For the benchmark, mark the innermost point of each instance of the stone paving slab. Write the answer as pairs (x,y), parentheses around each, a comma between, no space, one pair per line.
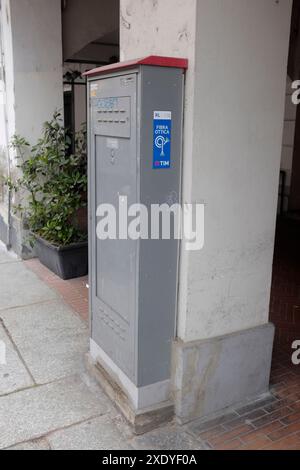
(13,374)
(171,437)
(19,286)
(6,257)
(30,414)
(39,444)
(51,339)
(98,434)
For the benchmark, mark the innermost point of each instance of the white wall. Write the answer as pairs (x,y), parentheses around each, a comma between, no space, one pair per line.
(7,99)
(33,70)
(241,66)
(162,28)
(3,143)
(37,53)
(234,114)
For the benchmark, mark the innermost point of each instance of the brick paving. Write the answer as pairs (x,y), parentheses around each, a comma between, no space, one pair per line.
(273,422)
(285,294)
(270,423)
(74,291)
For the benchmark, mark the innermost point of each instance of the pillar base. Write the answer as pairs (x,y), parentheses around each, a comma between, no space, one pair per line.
(145,408)
(214,374)
(17,240)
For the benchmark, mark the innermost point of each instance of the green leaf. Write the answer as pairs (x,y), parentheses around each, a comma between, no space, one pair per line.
(52,185)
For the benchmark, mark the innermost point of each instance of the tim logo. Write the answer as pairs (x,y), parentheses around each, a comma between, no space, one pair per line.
(2,353)
(160,143)
(296,354)
(162,134)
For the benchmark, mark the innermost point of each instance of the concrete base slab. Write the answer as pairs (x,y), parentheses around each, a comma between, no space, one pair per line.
(214,374)
(51,339)
(97,434)
(33,413)
(139,397)
(141,421)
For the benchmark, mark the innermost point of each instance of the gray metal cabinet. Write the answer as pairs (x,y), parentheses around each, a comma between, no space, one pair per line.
(134,282)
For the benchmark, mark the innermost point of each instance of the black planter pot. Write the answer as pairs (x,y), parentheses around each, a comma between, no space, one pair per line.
(67,262)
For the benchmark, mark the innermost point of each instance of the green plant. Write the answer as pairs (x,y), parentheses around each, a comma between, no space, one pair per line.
(52,183)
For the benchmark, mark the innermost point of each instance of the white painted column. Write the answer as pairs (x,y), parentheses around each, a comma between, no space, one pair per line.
(241,58)
(234,112)
(32,44)
(37,57)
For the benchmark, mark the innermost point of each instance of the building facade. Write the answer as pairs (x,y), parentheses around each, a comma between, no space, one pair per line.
(234,111)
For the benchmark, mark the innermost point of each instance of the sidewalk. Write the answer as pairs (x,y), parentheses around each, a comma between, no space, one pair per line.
(47,400)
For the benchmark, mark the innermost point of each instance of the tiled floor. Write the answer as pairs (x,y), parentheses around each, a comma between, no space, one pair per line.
(274,421)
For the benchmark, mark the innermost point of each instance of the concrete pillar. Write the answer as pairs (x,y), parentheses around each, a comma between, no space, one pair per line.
(234,109)
(32,46)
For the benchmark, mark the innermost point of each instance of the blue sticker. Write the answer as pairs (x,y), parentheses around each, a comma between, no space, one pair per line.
(162,136)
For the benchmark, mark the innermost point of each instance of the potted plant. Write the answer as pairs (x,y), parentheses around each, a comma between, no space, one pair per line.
(51,197)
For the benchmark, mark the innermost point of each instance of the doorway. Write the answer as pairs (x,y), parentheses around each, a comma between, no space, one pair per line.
(285,292)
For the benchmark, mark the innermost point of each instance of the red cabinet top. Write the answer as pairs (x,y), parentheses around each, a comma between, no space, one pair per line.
(159,61)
